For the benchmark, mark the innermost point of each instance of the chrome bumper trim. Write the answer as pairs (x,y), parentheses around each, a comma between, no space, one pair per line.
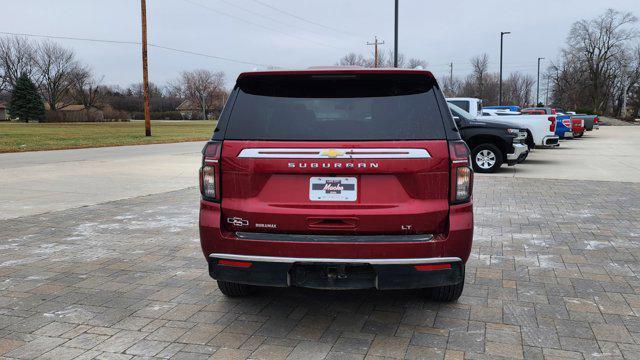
(291,260)
(518,149)
(555,139)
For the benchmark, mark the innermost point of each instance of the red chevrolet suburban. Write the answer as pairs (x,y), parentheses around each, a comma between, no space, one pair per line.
(337,178)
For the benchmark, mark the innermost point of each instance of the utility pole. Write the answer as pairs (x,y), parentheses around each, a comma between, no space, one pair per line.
(502,34)
(538,83)
(375,44)
(145,70)
(204,107)
(395,39)
(451,72)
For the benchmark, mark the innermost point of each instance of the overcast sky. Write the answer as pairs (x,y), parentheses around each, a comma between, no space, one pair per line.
(436,31)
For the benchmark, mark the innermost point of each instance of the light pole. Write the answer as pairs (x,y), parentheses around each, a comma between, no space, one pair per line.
(502,34)
(538,83)
(395,40)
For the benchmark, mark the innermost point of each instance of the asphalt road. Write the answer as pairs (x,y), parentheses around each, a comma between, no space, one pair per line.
(39,182)
(608,154)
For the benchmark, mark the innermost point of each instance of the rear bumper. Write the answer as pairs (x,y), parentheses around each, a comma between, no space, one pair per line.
(551,140)
(386,264)
(337,273)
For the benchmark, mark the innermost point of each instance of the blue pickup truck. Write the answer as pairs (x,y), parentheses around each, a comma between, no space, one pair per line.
(563,126)
(503,107)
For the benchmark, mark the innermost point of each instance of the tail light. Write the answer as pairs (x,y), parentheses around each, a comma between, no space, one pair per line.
(210,171)
(552,125)
(567,123)
(595,120)
(461,172)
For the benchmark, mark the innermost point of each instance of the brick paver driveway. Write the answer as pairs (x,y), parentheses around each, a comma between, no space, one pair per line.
(553,275)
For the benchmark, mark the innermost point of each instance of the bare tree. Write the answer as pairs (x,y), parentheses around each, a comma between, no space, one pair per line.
(517,88)
(385,59)
(203,88)
(86,89)
(351,59)
(17,57)
(598,44)
(56,65)
(415,63)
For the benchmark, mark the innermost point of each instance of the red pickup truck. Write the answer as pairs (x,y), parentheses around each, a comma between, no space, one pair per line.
(337,178)
(577,127)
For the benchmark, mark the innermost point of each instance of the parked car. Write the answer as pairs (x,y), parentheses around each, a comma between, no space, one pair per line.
(577,127)
(491,143)
(471,105)
(540,110)
(591,122)
(503,107)
(533,112)
(337,178)
(540,128)
(563,126)
(496,112)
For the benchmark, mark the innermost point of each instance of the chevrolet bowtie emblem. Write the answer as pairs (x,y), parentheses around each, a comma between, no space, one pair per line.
(332,153)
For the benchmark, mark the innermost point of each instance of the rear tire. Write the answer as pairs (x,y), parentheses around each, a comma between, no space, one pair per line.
(486,158)
(447,293)
(231,289)
(578,135)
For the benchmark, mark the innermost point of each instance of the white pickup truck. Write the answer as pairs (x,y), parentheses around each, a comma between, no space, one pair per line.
(541,128)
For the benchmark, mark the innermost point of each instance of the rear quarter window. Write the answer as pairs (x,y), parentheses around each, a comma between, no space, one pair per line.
(336,107)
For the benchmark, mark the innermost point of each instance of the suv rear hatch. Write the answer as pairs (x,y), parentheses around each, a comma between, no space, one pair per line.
(358,154)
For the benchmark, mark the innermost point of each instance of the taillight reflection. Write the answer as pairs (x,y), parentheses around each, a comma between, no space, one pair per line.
(210,171)
(208,182)
(461,172)
(463,183)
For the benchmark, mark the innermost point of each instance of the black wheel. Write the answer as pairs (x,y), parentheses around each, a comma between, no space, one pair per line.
(486,158)
(447,293)
(579,135)
(234,289)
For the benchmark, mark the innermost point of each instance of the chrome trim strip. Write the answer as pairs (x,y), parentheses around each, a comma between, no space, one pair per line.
(290,260)
(317,153)
(460,161)
(244,235)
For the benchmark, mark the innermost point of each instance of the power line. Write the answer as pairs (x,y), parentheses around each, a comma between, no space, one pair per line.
(260,25)
(267,17)
(107,41)
(301,18)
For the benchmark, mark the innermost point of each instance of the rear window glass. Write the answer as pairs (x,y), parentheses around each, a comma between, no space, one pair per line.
(336,107)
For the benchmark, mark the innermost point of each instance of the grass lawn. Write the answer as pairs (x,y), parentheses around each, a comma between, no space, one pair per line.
(15,137)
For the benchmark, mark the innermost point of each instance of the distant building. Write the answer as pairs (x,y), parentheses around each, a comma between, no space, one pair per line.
(72,113)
